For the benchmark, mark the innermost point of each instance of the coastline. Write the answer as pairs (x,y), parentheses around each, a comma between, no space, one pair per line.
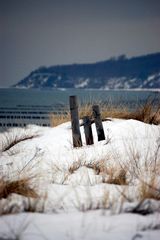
(88,89)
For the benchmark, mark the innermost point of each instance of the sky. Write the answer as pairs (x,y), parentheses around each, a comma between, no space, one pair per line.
(36,33)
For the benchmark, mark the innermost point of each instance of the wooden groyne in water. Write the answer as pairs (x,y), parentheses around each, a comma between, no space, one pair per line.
(23,115)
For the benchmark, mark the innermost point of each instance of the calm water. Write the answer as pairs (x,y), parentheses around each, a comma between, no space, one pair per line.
(13,98)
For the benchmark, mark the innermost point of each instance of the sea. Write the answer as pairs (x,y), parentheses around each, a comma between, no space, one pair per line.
(13,97)
(20,107)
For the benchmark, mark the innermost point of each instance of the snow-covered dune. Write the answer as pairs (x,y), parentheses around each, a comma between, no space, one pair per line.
(86,193)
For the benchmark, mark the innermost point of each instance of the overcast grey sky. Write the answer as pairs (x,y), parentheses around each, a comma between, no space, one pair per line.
(35,33)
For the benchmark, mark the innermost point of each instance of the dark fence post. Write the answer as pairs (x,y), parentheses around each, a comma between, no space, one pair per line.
(77,141)
(98,122)
(88,130)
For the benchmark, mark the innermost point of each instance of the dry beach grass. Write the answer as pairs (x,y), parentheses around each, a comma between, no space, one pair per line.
(147,113)
(20,186)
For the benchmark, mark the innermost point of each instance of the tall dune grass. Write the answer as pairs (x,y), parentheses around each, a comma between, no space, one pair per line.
(147,113)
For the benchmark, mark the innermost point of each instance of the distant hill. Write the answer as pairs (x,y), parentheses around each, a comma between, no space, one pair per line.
(115,73)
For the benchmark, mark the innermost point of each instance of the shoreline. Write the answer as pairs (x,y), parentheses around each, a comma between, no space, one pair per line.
(88,89)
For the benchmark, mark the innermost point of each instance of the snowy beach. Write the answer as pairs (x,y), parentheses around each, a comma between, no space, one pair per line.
(109,190)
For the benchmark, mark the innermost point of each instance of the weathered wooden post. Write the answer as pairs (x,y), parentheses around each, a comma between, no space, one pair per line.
(88,130)
(77,141)
(98,122)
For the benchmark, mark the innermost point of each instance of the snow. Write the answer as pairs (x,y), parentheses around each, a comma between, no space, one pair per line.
(82,83)
(152,77)
(82,226)
(78,202)
(116,83)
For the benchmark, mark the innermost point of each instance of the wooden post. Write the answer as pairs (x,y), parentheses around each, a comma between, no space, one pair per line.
(88,130)
(77,141)
(98,122)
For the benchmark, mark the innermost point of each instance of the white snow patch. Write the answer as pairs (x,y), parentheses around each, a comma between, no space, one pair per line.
(82,83)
